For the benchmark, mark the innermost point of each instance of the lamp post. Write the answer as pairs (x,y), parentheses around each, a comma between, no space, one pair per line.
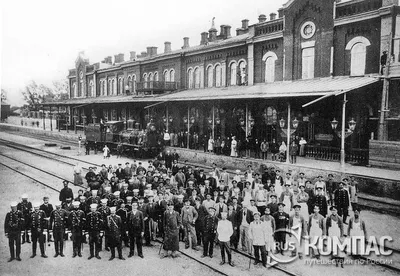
(343,134)
(75,122)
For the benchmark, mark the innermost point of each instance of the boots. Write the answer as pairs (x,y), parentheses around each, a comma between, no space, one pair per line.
(56,246)
(112,254)
(61,248)
(120,254)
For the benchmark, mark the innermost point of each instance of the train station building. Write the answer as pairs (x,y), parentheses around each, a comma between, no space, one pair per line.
(315,69)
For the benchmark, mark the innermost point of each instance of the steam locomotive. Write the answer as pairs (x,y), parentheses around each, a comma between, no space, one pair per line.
(135,142)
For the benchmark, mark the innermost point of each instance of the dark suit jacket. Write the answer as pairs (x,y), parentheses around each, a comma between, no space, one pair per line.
(249,217)
(135,223)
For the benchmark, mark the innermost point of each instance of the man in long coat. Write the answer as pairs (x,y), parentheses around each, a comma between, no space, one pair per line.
(172,224)
(114,228)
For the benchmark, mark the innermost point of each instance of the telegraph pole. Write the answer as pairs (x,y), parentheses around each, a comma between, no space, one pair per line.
(382,129)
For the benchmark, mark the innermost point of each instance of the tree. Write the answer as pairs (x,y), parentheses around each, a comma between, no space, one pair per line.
(61,90)
(33,96)
(3,95)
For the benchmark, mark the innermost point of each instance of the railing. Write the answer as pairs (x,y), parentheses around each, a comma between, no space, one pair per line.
(357,156)
(358,7)
(156,86)
(270,28)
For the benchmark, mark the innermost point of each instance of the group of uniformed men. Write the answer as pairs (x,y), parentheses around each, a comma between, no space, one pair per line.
(127,204)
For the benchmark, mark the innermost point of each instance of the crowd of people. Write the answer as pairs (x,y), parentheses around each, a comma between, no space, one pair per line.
(135,204)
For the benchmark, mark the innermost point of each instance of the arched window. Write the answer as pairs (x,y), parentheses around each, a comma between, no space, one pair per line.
(129,80)
(109,87)
(190,78)
(197,78)
(233,73)
(242,72)
(156,76)
(166,76)
(218,75)
(210,74)
(114,88)
(358,51)
(91,89)
(145,79)
(74,94)
(172,75)
(269,58)
(121,86)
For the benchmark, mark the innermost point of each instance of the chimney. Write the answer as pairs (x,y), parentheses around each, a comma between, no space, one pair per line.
(143,54)
(108,60)
(222,32)
(272,16)
(245,24)
(151,51)
(119,58)
(204,39)
(280,13)
(185,43)
(227,31)
(133,55)
(167,47)
(262,18)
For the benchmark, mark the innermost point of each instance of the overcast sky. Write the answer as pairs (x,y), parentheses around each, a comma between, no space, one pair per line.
(40,39)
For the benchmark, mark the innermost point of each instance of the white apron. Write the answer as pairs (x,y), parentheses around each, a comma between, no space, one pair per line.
(269,243)
(287,202)
(356,231)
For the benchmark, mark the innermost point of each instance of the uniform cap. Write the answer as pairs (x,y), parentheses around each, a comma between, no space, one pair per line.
(148,185)
(129,198)
(150,194)
(332,207)
(36,204)
(135,190)
(211,208)
(125,185)
(301,185)
(256,213)
(93,206)
(82,197)
(94,192)
(24,196)
(130,181)
(237,171)
(296,206)
(273,196)
(107,189)
(117,193)
(180,196)
(76,203)
(280,203)
(112,209)
(104,200)
(13,204)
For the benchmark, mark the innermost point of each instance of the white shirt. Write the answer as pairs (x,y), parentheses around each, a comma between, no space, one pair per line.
(224,230)
(257,232)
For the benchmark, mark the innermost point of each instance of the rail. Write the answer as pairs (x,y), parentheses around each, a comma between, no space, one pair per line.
(356,156)
(156,86)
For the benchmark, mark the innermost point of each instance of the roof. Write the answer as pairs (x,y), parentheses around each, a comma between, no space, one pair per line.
(322,87)
(283,89)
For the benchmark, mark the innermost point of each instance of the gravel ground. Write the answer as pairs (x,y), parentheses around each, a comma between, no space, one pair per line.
(13,185)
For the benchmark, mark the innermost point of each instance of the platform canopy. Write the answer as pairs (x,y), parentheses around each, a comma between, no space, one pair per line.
(320,88)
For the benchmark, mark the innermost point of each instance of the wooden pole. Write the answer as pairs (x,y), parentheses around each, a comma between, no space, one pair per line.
(288,135)
(342,150)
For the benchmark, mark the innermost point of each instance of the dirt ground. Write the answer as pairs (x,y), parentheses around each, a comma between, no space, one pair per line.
(12,185)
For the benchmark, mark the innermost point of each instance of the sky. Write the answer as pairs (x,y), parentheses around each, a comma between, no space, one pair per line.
(41,39)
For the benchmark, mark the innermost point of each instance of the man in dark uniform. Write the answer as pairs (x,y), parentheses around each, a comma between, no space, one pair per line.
(122,212)
(161,207)
(199,225)
(342,201)
(94,223)
(66,192)
(58,223)
(25,207)
(47,208)
(210,229)
(37,224)
(104,210)
(76,221)
(117,201)
(172,224)
(151,220)
(90,176)
(135,226)
(114,226)
(282,222)
(13,225)
(330,188)
(120,173)
(320,200)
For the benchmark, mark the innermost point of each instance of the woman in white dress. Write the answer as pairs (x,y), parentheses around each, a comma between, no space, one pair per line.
(78,174)
(302,199)
(234,147)
(210,145)
(106,152)
(247,194)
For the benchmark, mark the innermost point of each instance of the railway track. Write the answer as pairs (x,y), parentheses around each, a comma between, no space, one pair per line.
(280,268)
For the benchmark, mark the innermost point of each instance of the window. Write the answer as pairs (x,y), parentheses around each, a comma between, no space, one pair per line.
(104,92)
(233,73)
(190,78)
(74,95)
(109,87)
(358,57)
(145,79)
(172,75)
(156,76)
(269,58)
(218,75)
(358,51)
(166,76)
(121,86)
(242,73)
(210,73)
(307,63)
(129,80)
(197,78)
(91,89)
